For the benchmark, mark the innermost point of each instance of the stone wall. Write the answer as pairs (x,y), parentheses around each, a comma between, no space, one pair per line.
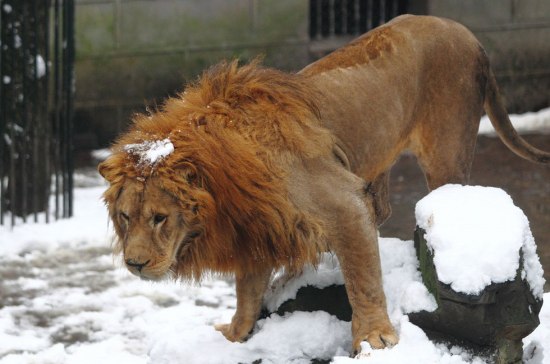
(132,53)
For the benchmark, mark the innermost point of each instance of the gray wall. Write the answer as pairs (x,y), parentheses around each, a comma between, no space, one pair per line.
(136,52)
(132,53)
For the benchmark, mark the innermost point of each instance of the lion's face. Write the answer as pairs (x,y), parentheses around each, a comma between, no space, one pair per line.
(152,226)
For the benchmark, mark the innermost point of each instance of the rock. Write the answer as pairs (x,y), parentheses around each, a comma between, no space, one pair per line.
(497,319)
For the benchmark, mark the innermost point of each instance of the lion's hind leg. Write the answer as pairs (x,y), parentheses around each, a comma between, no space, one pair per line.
(448,167)
(444,140)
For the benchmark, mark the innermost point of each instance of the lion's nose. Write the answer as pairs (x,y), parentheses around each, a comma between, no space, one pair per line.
(139,266)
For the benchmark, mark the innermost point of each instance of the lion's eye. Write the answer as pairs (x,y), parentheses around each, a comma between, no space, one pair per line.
(124,216)
(158,219)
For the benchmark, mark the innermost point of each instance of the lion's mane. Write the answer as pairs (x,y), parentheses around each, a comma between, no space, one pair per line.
(235,133)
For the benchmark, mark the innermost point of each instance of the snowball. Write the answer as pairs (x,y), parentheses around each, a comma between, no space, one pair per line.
(151,151)
(476,234)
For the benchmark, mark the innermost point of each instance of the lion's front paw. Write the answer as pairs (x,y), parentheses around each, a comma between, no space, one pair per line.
(383,336)
(234,332)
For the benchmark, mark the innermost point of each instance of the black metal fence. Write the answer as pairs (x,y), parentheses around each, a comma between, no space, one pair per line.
(36,106)
(329,18)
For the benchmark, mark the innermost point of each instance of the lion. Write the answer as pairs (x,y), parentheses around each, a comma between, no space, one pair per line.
(251,169)
(417,83)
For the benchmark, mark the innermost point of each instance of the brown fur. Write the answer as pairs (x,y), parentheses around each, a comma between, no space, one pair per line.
(249,188)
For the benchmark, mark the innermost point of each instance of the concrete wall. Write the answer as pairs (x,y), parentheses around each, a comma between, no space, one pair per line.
(136,52)
(516,35)
(132,53)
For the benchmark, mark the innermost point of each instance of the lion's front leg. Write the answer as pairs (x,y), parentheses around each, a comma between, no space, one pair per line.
(357,249)
(250,291)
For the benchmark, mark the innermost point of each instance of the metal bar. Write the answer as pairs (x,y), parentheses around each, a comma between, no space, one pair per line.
(57,121)
(68,49)
(344,15)
(331,18)
(382,12)
(36,122)
(45,114)
(12,179)
(395,9)
(2,120)
(319,16)
(23,113)
(64,103)
(357,17)
(70,109)
(369,14)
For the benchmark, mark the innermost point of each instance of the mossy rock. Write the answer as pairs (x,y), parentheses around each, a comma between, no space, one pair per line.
(498,318)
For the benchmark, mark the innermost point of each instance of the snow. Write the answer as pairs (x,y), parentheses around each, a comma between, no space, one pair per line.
(531,122)
(151,151)
(40,66)
(476,234)
(403,284)
(65,233)
(101,154)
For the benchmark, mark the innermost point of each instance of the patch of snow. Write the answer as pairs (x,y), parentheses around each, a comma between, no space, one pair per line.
(40,66)
(536,346)
(476,234)
(88,227)
(327,273)
(403,286)
(531,122)
(17,41)
(151,151)
(101,154)
(405,292)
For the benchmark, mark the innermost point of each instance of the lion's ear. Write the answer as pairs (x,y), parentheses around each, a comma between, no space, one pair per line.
(190,172)
(190,176)
(107,169)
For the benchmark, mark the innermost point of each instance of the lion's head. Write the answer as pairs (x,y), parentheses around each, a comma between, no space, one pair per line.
(217,200)
(154,227)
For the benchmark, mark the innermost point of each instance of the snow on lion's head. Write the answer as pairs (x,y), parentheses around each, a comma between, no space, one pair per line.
(199,185)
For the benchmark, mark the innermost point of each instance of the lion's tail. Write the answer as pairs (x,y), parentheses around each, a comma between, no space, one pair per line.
(495,109)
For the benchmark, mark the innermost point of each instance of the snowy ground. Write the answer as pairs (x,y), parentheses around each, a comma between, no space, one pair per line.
(65,299)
